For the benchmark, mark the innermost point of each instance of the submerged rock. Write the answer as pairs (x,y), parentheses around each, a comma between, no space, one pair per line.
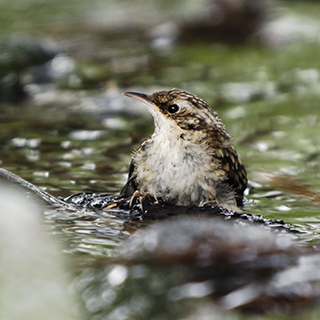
(151,210)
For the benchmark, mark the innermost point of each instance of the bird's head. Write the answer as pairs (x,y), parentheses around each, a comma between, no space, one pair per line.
(179,110)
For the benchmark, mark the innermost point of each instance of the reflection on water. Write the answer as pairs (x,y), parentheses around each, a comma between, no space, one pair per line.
(76,133)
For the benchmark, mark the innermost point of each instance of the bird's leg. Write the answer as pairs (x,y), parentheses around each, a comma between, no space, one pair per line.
(136,194)
(141,196)
(224,205)
(209,203)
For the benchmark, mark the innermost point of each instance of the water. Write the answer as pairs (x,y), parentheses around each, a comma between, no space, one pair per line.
(76,132)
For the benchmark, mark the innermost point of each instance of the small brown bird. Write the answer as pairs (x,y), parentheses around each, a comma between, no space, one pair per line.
(189,159)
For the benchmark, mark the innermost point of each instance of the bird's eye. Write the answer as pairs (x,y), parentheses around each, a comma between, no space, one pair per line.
(173,108)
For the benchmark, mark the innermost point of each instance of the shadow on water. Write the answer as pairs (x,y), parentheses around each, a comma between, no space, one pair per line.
(66,128)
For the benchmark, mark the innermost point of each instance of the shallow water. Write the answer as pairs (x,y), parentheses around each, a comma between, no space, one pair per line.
(76,132)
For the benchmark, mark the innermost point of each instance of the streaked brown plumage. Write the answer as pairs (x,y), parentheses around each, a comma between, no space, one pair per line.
(189,159)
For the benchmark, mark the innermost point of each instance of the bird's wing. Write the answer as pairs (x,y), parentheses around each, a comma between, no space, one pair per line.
(130,187)
(235,172)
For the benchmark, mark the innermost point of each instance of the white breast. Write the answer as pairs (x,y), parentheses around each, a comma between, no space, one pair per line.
(175,169)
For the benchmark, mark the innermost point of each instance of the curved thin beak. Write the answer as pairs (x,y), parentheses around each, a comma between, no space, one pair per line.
(144,98)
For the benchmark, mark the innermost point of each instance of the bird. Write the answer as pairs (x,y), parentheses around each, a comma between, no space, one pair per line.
(189,159)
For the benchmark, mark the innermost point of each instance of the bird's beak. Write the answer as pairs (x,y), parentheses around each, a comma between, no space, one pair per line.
(144,98)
